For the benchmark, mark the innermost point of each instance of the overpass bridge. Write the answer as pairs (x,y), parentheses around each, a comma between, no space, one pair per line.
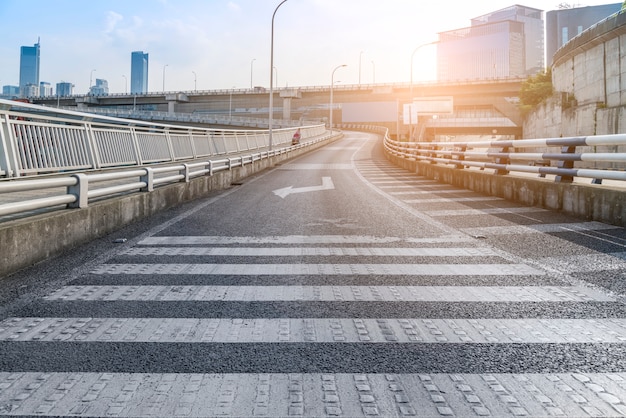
(480,107)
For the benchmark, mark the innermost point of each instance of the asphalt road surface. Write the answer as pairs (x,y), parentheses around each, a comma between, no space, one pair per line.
(335,284)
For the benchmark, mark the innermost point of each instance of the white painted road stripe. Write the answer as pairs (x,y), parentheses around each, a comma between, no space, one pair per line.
(431,191)
(298,330)
(538,228)
(479,212)
(299,239)
(312,394)
(312,251)
(454,199)
(323,269)
(331,293)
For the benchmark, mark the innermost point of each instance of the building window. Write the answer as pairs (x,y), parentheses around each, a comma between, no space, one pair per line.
(564,36)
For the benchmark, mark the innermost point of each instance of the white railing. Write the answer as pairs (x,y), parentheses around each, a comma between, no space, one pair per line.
(79,189)
(504,157)
(40,140)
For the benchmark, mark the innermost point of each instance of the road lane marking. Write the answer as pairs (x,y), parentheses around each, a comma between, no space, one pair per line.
(331,293)
(321,269)
(327,184)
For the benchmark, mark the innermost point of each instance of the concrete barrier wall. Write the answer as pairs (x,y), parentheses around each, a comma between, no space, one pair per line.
(588,78)
(28,241)
(592,202)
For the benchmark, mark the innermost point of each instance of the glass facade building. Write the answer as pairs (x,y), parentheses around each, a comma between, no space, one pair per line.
(139,72)
(29,68)
(100,89)
(65,89)
(564,24)
(505,43)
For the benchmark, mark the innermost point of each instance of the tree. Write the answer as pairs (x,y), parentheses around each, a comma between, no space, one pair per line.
(535,90)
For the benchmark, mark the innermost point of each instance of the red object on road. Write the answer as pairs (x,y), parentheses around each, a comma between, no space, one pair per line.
(295,140)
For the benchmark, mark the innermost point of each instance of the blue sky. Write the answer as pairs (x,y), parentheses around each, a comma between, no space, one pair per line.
(227,42)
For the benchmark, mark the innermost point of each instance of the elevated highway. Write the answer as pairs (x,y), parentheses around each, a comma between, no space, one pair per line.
(480,106)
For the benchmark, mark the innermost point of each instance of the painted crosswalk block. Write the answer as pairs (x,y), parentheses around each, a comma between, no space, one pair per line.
(323,325)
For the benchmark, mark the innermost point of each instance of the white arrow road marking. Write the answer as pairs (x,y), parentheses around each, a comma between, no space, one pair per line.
(327,184)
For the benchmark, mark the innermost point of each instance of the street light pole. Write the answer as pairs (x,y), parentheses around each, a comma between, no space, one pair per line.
(195,81)
(332,83)
(91,80)
(164,76)
(360,54)
(271,109)
(251,66)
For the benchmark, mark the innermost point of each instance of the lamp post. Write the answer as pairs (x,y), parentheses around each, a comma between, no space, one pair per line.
(164,76)
(411,87)
(195,81)
(271,109)
(230,106)
(90,80)
(332,83)
(251,66)
(125,84)
(360,55)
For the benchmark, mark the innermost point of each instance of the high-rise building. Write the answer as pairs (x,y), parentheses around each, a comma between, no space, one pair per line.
(564,24)
(138,72)
(100,89)
(45,89)
(29,68)
(10,91)
(65,89)
(504,43)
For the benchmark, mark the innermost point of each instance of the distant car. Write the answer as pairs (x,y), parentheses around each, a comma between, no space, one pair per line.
(295,140)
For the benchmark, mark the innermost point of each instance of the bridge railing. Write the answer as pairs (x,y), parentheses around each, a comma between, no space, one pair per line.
(37,140)
(505,156)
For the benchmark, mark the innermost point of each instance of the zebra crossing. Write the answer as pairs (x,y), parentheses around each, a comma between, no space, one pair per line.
(324,325)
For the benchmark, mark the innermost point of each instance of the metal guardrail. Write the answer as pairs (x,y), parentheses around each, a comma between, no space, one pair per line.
(500,156)
(80,189)
(37,140)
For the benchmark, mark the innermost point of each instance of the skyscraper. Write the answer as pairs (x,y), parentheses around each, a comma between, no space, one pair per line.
(504,43)
(65,89)
(138,72)
(29,67)
(100,89)
(564,24)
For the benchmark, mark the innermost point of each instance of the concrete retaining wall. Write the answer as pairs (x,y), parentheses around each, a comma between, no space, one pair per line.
(28,241)
(592,202)
(590,93)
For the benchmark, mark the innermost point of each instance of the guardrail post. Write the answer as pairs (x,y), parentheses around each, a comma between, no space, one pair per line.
(503,161)
(80,190)
(185,172)
(210,167)
(568,149)
(148,178)
(8,155)
(432,154)
(460,157)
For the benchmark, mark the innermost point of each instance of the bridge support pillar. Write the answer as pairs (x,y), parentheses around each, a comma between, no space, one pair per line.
(172,99)
(287,108)
(287,95)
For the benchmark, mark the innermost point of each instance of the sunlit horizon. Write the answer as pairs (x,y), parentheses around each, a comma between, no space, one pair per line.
(220,45)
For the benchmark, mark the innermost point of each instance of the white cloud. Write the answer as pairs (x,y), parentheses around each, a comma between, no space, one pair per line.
(111,21)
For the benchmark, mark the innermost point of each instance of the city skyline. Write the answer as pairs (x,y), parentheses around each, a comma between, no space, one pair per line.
(225,44)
